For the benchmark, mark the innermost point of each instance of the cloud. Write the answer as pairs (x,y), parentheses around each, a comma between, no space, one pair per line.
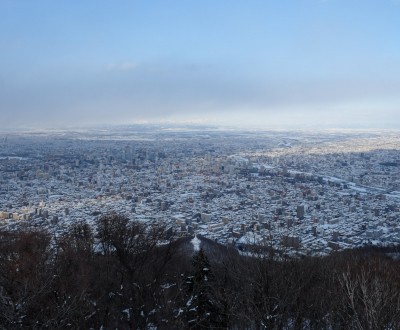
(198,92)
(123,66)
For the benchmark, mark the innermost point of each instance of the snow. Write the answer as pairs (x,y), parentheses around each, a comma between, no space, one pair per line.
(269,167)
(392,195)
(363,190)
(167,285)
(189,302)
(196,243)
(250,238)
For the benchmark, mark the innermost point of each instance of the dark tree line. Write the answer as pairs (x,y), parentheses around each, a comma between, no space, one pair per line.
(123,274)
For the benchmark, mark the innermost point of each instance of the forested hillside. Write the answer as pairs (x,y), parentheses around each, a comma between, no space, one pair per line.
(124,275)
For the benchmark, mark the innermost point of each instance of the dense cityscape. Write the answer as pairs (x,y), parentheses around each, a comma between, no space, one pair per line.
(301,192)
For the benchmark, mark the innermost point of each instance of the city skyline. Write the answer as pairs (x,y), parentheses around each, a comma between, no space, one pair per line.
(311,63)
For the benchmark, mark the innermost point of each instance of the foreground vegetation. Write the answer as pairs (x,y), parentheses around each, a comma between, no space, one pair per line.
(124,275)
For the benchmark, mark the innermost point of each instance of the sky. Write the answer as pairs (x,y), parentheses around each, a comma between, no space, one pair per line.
(253,63)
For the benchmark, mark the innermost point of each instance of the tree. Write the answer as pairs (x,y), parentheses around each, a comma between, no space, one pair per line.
(134,264)
(202,310)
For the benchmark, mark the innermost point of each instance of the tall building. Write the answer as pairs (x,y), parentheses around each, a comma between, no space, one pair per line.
(301,211)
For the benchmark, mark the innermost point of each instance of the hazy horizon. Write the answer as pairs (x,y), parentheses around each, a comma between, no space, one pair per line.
(290,64)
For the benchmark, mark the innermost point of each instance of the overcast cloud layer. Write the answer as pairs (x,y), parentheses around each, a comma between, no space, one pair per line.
(297,63)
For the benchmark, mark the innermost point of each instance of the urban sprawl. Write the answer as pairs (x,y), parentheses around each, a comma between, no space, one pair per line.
(305,193)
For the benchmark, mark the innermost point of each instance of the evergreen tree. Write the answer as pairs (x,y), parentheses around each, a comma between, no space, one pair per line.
(201,310)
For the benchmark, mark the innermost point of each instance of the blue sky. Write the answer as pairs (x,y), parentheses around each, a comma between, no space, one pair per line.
(299,63)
